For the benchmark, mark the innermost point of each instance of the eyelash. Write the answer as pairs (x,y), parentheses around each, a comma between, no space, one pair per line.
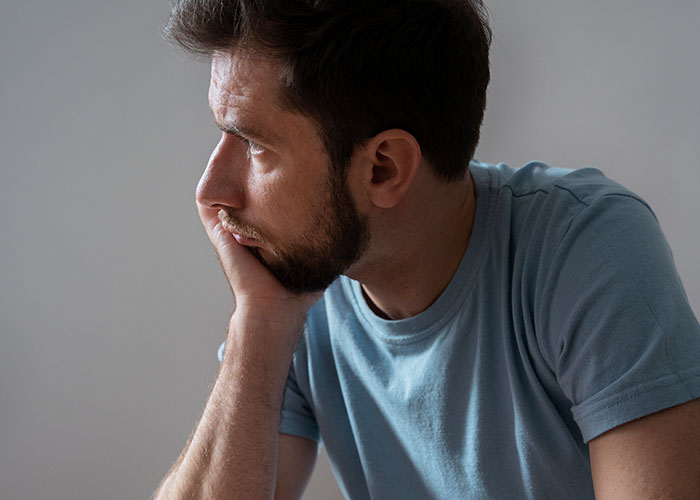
(252,146)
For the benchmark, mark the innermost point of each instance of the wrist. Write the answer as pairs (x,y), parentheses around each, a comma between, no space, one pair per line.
(272,321)
(262,342)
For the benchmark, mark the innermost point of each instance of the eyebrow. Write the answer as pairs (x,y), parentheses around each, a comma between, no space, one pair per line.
(243,130)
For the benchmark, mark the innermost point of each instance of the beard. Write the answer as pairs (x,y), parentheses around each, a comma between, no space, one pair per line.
(340,240)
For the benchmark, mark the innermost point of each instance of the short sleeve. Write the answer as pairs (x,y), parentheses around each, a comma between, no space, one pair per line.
(297,416)
(617,328)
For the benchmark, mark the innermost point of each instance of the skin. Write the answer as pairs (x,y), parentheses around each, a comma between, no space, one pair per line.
(276,196)
(305,245)
(653,458)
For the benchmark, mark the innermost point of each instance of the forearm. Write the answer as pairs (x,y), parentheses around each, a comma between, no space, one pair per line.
(233,451)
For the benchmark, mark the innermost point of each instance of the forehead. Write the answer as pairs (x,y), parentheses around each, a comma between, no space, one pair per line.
(238,77)
(244,94)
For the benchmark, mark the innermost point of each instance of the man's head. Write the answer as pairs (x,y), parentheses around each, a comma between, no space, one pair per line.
(359,67)
(303,90)
(270,182)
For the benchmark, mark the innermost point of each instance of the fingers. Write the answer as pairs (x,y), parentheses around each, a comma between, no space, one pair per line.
(245,273)
(238,263)
(252,284)
(228,250)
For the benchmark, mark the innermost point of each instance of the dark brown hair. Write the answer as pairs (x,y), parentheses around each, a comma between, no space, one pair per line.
(358,67)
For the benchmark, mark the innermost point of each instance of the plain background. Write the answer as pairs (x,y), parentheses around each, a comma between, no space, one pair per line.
(112,304)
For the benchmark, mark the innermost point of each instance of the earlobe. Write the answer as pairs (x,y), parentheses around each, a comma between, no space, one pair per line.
(395,157)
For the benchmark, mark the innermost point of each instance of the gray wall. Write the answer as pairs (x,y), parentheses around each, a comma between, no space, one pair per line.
(112,304)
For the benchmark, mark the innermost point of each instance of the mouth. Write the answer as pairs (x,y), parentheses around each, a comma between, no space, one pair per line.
(240,236)
(242,239)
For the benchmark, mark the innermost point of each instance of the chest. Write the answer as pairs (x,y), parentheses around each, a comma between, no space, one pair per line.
(466,410)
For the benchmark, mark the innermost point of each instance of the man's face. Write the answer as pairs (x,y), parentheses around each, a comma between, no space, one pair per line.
(270,182)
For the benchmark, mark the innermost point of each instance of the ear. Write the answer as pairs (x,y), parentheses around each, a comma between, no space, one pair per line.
(394,156)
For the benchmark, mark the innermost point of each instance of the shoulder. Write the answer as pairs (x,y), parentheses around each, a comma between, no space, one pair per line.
(585,185)
(539,208)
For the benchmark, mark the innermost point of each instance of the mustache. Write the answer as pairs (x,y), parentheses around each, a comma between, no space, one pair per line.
(239,227)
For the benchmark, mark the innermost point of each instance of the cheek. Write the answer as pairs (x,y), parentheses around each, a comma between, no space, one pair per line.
(262,197)
(276,201)
(264,190)
(289,199)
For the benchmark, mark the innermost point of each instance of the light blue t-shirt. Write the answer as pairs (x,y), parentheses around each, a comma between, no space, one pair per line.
(565,318)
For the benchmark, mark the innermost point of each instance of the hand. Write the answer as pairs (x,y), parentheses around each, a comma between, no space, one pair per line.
(257,292)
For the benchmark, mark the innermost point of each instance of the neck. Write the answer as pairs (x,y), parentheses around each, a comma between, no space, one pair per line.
(421,246)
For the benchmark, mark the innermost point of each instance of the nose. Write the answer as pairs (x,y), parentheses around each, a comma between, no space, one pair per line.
(220,184)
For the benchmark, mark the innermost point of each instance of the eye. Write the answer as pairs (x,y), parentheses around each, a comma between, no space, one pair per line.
(254,148)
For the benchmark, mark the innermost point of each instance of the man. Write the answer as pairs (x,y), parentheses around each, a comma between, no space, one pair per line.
(495,333)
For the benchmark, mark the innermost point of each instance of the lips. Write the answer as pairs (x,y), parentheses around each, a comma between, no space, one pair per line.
(244,240)
(240,236)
